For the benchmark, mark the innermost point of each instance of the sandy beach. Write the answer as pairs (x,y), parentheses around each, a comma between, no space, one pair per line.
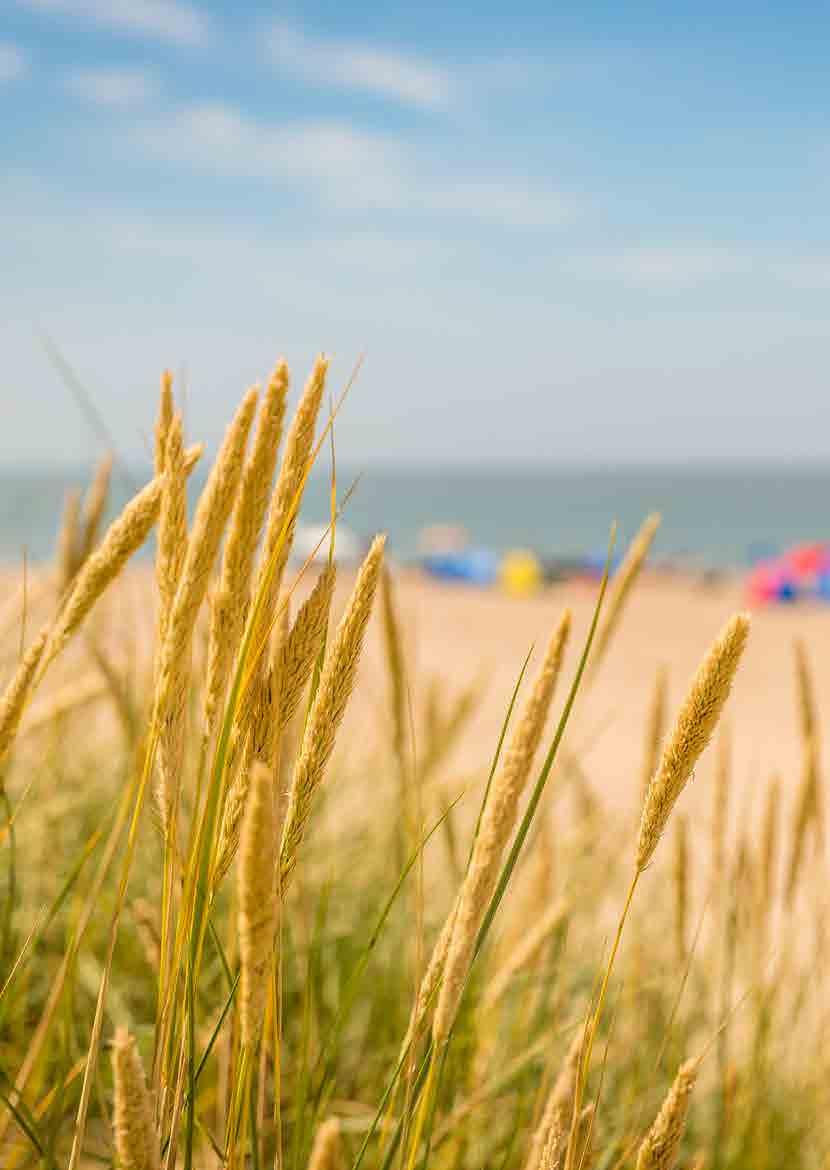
(454,631)
(456,634)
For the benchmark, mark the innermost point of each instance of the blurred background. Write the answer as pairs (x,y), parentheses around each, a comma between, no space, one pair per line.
(583,251)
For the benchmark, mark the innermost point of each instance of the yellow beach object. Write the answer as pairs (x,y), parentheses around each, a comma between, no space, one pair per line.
(520,573)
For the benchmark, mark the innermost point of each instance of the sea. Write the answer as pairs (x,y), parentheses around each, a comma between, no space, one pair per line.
(717,517)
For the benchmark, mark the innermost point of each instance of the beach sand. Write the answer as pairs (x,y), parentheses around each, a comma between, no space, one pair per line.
(455,634)
(455,631)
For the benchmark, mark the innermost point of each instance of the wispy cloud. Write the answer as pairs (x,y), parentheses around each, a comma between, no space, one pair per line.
(356,66)
(118,88)
(13,64)
(218,137)
(173,21)
(684,267)
(657,266)
(344,167)
(811,273)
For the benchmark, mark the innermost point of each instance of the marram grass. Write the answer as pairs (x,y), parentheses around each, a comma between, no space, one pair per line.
(692,731)
(391,974)
(495,830)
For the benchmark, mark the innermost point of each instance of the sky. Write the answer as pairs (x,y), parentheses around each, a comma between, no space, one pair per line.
(555,234)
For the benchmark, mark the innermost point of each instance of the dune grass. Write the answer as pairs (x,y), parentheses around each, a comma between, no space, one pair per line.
(308,951)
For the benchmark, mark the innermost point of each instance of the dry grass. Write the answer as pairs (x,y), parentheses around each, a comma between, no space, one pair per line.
(153,1014)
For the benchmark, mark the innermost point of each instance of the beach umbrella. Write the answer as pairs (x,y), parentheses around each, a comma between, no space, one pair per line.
(520,573)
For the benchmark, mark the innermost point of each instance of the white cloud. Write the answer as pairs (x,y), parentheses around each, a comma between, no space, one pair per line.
(805,273)
(499,199)
(173,21)
(120,88)
(217,137)
(347,168)
(683,267)
(13,64)
(362,67)
(135,291)
(663,267)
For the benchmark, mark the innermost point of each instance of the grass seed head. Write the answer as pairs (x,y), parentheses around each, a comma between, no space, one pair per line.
(124,536)
(692,731)
(497,824)
(300,649)
(327,1150)
(95,505)
(655,729)
(136,1141)
(69,541)
(232,598)
(661,1144)
(163,420)
(282,515)
(559,1105)
(172,533)
(622,584)
(336,682)
(257,900)
(17,692)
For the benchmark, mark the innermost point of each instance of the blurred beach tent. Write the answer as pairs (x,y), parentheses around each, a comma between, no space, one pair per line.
(800,573)
(312,541)
(476,566)
(445,552)
(437,539)
(520,573)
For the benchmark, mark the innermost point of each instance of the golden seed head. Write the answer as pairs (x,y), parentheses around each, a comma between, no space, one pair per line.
(95,505)
(221,647)
(661,1144)
(209,522)
(126,534)
(163,420)
(192,455)
(554,1147)
(69,540)
(807,718)
(136,1141)
(212,512)
(559,1105)
(170,555)
(655,729)
(17,692)
(285,502)
(300,649)
(255,489)
(497,823)
(232,599)
(393,644)
(692,731)
(622,584)
(336,681)
(327,1150)
(257,900)
(172,533)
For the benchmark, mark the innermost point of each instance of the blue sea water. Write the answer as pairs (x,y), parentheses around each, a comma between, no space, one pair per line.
(713,515)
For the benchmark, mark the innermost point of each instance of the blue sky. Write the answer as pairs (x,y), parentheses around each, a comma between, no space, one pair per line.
(559,233)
